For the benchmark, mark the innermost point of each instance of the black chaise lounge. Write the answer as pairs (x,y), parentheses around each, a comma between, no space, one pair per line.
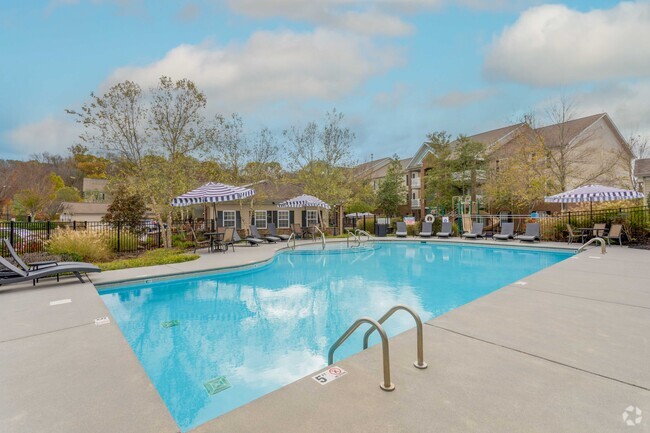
(507,232)
(427,230)
(251,240)
(477,232)
(274,232)
(532,233)
(269,239)
(28,266)
(446,231)
(12,274)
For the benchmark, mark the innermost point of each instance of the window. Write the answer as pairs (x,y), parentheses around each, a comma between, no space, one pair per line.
(260,219)
(413,175)
(406,180)
(229,218)
(283,219)
(413,196)
(312,218)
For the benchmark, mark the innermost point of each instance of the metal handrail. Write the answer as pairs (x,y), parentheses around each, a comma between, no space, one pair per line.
(418,324)
(351,233)
(387,385)
(292,236)
(603,247)
(322,235)
(360,232)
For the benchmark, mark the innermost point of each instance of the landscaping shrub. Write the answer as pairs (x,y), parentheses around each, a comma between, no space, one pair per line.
(150,258)
(87,245)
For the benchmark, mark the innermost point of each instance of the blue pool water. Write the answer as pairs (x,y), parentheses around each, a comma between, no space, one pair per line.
(266,327)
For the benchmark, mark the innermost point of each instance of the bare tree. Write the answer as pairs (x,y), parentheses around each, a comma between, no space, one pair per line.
(640,148)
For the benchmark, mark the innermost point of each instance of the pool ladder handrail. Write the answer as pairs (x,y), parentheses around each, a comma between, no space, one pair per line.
(603,244)
(419,363)
(360,233)
(356,238)
(322,235)
(292,236)
(386,385)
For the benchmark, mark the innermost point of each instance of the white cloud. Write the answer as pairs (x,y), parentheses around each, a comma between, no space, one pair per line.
(271,67)
(460,99)
(53,135)
(553,45)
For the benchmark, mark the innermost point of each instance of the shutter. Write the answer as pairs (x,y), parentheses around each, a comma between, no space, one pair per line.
(253,218)
(275,217)
(220,218)
(238,219)
(269,216)
(304,218)
(291,220)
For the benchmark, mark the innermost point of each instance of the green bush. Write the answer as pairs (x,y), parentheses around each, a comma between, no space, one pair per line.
(150,258)
(86,245)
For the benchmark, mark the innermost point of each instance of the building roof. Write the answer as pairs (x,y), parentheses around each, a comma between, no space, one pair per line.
(642,167)
(92,184)
(85,208)
(274,192)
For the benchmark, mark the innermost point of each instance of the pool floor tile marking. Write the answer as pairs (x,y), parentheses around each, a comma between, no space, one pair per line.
(60,302)
(170,323)
(216,385)
(102,321)
(329,375)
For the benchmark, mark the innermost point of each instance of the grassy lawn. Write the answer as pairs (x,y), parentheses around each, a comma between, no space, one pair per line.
(160,256)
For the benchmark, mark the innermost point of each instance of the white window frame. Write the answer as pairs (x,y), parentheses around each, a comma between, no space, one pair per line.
(283,215)
(232,220)
(259,220)
(313,220)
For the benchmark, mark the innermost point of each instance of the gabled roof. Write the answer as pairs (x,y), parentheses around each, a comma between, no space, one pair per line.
(274,192)
(369,167)
(642,167)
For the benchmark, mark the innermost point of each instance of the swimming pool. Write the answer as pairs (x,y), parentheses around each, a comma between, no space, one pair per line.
(242,334)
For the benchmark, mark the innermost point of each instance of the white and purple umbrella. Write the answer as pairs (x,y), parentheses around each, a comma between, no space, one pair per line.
(304,200)
(212,192)
(592,193)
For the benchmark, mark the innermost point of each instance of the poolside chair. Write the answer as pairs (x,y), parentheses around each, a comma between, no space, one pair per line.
(199,244)
(446,231)
(427,230)
(401,230)
(615,232)
(297,229)
(228,239)
(532,233)
(253,242)
(269,239)
(507,232)
(12,274)
(599,230)
(573,236)
(477,232)
(31,265)
(274,232)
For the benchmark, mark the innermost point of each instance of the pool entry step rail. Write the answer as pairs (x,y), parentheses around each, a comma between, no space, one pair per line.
(601,241)
(375,325)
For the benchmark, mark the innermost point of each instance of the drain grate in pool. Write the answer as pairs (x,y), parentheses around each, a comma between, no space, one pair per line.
(216,385)
(170,323)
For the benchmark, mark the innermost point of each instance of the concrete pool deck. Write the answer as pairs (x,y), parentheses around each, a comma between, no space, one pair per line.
(569,350)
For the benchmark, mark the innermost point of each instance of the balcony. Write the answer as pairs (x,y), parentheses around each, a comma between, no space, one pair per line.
(415,182)
(415,203)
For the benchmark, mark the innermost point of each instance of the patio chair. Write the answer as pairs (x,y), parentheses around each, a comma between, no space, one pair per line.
(297,229)
(269,239)
(199,244)
(507,232)
(274,232)
(532,233)
(228,235)
(616,233)
(477,232)
(253,242)
(446,231)
(401,230)
(427,230)
(573,235)
(12,274)
(599,230)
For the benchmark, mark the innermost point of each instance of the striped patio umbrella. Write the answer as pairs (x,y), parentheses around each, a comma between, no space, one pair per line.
(304,201)
(591,193)
(212,192)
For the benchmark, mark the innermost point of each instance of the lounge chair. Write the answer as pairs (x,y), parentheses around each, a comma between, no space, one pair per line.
(446,231)
(12,274)
(32,265)
(253,242)
(477,232)
(274,232)
(615,232)
(269,239)
(401,230)
(507,232)
(427,230)
(573,236)
(532,233)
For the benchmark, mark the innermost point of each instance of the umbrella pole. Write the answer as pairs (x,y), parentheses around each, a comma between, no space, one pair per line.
(591,211)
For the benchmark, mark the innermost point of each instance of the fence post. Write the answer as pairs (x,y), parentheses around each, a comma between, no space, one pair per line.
(48,229)
(119,232)
(74,225)
(160,235)
(12,225)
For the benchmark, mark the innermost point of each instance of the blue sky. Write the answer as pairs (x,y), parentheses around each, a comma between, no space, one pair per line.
(398,69)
